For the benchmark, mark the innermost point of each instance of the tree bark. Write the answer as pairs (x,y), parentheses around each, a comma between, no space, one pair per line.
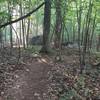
(46,27)
(58,26)
(98,44)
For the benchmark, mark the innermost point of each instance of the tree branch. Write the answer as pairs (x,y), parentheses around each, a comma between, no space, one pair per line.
(23,17)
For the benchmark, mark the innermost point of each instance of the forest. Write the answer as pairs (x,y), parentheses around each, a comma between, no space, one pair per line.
(49,49)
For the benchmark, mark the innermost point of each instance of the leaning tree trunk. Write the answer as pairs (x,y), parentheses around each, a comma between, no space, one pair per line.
(46,27)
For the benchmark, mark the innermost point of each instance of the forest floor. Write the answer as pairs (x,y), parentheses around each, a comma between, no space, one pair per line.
(30,83)
(40,77)
(27,80)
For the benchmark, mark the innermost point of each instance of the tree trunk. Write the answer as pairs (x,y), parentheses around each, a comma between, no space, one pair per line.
(23,25)
(88,20)
(10,17)
(98,44)
(58,26)
(46,27)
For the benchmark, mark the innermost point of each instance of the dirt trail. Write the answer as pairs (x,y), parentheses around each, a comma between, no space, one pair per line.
(31,83)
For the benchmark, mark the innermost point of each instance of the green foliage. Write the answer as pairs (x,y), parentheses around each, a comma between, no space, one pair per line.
(3,17)
(68,95)
(4,14)
(2,1)
(81,81)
